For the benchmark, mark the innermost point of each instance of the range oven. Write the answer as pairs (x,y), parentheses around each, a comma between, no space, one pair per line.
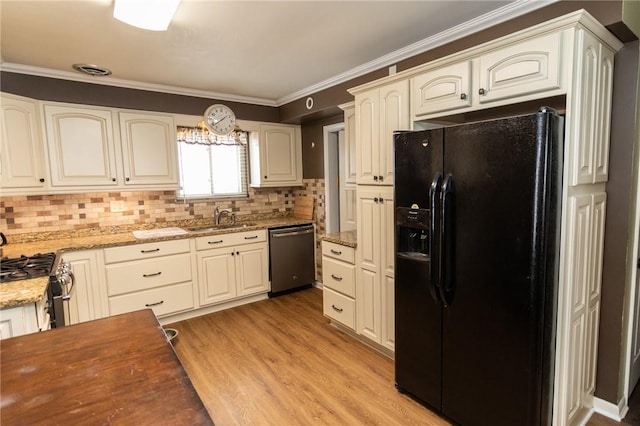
(60,285)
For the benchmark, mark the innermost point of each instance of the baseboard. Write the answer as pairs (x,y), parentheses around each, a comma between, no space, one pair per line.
(611,410)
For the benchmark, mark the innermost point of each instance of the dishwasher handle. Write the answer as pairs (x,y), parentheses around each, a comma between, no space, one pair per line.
(289,234)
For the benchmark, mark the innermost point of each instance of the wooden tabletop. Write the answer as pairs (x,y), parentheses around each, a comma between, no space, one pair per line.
(117,370)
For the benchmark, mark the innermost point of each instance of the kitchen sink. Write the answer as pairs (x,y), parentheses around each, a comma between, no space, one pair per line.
(219,227)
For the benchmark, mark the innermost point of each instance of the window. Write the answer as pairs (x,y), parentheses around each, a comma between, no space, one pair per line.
(211,166)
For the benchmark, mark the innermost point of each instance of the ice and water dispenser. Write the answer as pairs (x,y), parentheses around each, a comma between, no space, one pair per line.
(412,226)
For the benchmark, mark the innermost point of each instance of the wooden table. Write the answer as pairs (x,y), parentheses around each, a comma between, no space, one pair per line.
(117,370)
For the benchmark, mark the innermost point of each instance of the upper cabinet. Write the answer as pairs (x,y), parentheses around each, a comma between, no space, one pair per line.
(276,156)
(443,89)
(81,146)
(350,157)
(148,149)
(379,112)
(517,72)
(521,69)
(22,164)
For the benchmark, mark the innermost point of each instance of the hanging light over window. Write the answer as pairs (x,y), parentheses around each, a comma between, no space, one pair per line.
(154,15)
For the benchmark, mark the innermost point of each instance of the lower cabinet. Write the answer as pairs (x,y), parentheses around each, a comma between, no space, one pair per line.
(86,298)
(339,283)
(154,275)
(25,319)
(232,266)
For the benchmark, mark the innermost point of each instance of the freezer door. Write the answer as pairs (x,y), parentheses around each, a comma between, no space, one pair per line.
(505,205)
(418,156)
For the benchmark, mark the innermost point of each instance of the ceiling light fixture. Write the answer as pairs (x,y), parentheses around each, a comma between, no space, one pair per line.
(154,15)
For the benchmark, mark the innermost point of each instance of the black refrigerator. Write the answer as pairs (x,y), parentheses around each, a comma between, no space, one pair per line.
(477,213)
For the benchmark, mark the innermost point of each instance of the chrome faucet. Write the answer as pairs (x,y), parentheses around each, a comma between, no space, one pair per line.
(217,215)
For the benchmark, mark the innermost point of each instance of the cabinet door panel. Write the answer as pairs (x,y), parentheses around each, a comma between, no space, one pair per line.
(350,145)
(81,146)
(603,120)
(521,69)
(387,229)
(367,128)
(368,229)
(252,272)
(279,154)
(148,149)
(22,161)
(388,313)
(585,94)
(216,275)
(368,305)
(394,115)
(442,89)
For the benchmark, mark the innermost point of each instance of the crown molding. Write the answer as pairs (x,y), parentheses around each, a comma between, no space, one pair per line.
(509,11)
(490,19)
(131,84)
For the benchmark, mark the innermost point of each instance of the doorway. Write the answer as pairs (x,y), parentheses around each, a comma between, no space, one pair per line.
(334,170)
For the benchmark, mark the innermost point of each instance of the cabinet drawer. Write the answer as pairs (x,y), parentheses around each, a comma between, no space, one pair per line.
(163,300)
(339,307)
(144,274)
(337,251)
(233,239)
(339,276)
(145,251)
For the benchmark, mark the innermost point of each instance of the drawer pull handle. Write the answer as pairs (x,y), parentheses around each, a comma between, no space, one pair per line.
(151,275)
(336,277)
(336,251)
(215,242)
(337,309)
(251,238)
(148,305)
(150,251)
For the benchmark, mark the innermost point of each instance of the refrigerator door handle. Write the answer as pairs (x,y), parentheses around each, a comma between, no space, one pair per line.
(434,194)
(445,286)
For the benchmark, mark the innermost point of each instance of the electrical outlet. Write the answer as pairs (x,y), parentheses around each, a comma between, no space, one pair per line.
(116,206)
(273,197)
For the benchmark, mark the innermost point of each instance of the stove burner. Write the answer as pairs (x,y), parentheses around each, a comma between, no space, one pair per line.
(23,267)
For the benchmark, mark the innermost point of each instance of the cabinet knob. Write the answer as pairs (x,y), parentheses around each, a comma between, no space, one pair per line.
(380,178)
(265,177)
(463,96)
(127,179)
(41,180)
(375,177)
(482,92)
(375,200)
(113,179)
(233,253)
(381,200)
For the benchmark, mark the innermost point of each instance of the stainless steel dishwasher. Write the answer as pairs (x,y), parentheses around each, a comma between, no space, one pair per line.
(292,262)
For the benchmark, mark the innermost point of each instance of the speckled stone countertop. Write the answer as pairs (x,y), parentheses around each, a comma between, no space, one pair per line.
(347,238)
(22,292)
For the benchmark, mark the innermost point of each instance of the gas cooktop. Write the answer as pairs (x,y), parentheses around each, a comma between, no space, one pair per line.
(24,268)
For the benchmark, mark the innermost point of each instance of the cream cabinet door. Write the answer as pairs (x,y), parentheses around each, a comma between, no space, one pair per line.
(81,146)
(388,313)
(350,155)
(252,269)
(394,115)
(87,301)
(443,89)
(22,158)
(367,136)
(348,207)
(603,115)
(149,149)
(368,225)
(387,229)
(279,153)
(216,275)
(18,321)
(520,69)
(368,304)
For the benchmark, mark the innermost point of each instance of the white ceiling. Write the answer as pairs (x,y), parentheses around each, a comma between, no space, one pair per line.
(264,52)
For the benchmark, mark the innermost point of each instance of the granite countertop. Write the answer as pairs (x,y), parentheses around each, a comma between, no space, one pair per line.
(346,238)
(22,292)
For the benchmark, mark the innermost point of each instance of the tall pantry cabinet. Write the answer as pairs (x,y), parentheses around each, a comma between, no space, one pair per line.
(379,112)
(568,61)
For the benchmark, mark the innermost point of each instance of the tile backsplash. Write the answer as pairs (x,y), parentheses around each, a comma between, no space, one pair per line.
(69,212)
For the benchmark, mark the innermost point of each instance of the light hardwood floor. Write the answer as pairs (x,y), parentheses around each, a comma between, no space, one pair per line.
(279,362)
